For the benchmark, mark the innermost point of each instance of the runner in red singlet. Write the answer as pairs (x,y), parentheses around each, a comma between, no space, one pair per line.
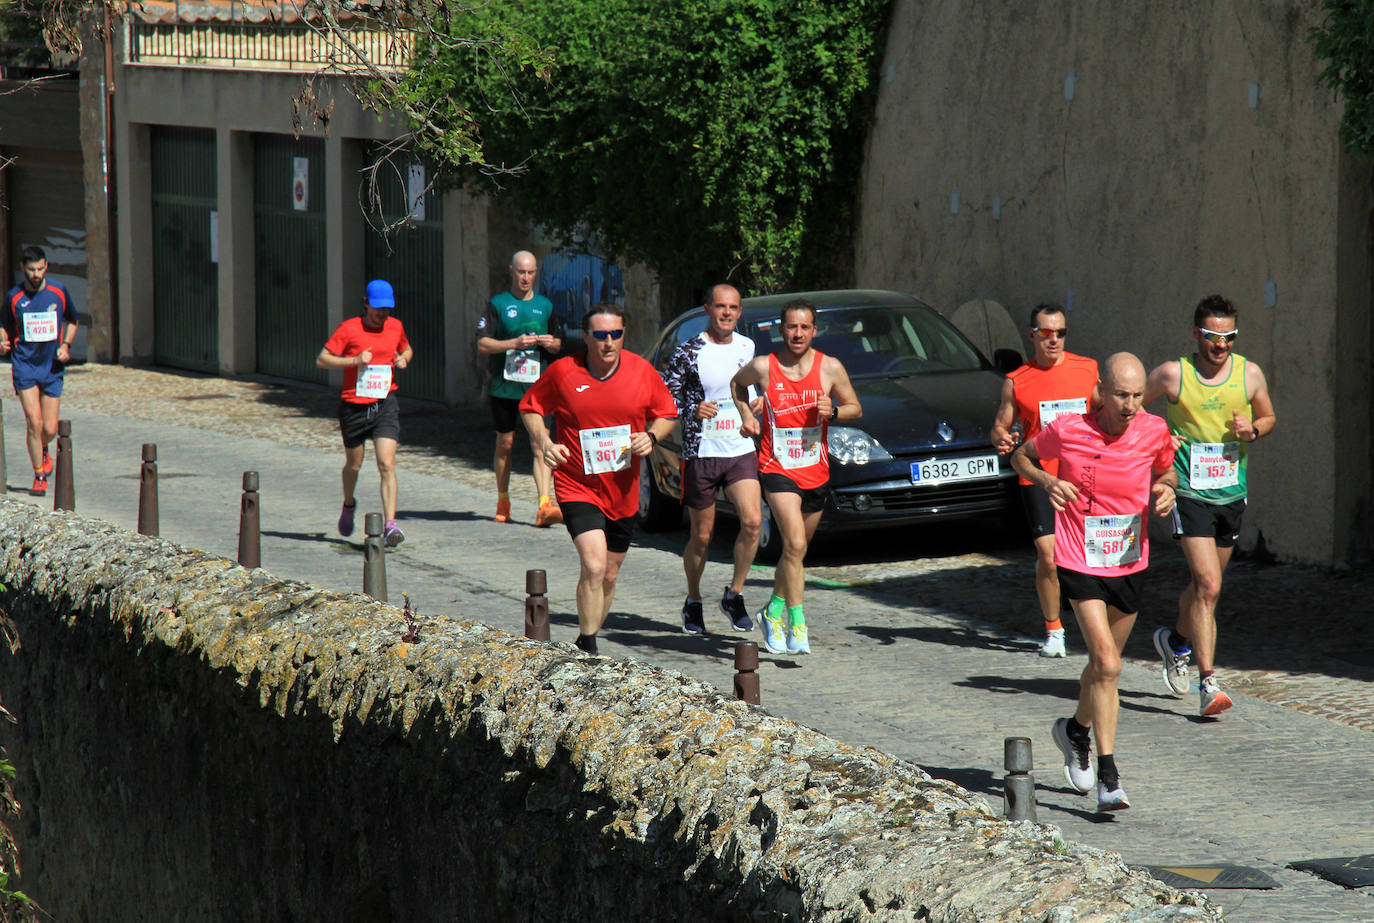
(804,391)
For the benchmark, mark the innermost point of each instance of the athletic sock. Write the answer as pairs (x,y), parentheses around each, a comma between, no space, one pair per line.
(1204,675)
(693,600)
(543,499)
(775,607)
(1180,644)
(1106,768)
(503,495)
(728,594)
(1076,730)
(587,643)
(1055,625)
(794,616)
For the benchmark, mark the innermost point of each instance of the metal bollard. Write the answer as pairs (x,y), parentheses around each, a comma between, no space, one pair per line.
(4,471)
(746,672)
(147,491)
(64,490)
(250,523)
(374,558)
(536,605)
(1018,801)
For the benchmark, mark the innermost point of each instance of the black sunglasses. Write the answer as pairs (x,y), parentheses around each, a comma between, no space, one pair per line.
(608,334)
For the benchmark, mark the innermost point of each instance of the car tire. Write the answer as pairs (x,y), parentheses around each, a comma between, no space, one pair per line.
(770,540)
(657,511)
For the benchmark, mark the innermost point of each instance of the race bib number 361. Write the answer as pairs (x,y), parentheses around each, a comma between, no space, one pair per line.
(605,450)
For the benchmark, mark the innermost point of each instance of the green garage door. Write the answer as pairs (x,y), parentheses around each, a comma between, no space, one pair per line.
(289,255)
(412,259)
(185,274)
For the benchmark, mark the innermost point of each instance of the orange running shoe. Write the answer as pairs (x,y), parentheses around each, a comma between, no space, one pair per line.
(40,484)
(502,511)
(549,515)
(48,463)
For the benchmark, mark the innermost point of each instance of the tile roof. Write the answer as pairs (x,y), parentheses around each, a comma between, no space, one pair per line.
(258,11)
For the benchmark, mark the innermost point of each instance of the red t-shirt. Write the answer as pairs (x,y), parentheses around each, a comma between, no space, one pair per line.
(793,438)
(1041,394)
(594,419)
(351,339)
(1104,532)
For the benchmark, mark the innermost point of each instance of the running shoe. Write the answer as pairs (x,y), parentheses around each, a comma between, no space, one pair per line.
(1111,796)
(1054,644)
(502,511)
(771,627)
(40,484)
(549,515)
(797,642)
(1078,768)
(346,519)
(1175,670)
(587,644)
(1214,699)
(47,463)
(392,534)
(732,604)
(692,621)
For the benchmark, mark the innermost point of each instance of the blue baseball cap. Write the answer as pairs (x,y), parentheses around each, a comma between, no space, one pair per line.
(380,295)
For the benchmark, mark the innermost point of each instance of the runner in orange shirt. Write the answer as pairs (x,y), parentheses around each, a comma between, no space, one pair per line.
(1053,382)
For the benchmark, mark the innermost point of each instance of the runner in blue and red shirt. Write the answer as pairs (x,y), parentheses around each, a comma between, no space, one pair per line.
(39,323)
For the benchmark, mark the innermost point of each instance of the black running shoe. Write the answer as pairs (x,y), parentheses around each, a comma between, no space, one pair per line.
(692,621)
(732,604)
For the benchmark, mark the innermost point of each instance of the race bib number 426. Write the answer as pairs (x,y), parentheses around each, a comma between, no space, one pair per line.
(40,326)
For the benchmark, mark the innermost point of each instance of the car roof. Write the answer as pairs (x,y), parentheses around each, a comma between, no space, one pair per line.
(833,298)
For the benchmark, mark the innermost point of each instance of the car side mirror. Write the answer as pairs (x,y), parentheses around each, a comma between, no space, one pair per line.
(1007,360)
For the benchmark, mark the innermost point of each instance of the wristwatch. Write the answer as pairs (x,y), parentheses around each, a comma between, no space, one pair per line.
(834,411)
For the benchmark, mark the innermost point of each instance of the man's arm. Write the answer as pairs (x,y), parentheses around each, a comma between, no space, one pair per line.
(1164,498)
(1026,462)
(1002,438)
(552,453)
(755,372)
(1163,382)
(551,340)
(328,360)
(489,345)
(845,403)
(1262,416)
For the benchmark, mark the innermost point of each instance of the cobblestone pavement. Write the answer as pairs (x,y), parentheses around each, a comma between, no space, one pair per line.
(1297,636)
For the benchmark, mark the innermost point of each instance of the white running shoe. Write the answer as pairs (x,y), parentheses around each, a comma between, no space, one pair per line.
(1214,699)
(1053,645)
(797,642)
(1175,669)
(1113,798)
(773,637)
(1078,767)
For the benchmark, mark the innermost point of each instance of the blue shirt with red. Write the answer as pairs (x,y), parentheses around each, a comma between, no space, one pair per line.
(39,359)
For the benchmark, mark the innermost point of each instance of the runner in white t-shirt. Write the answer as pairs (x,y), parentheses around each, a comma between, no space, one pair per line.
(714,454)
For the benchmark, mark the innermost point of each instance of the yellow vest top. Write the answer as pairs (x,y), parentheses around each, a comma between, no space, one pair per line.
(1212,455)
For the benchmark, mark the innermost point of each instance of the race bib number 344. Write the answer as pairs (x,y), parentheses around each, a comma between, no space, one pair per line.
(605,450)
(374,381)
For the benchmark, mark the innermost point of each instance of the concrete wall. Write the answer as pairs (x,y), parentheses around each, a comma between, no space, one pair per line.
(197,741)
(1128,159)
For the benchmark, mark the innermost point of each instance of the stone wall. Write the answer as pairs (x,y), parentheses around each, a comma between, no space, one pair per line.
(198,741)
(1127,159)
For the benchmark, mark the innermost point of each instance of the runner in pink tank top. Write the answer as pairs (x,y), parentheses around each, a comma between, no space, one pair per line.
(803,392)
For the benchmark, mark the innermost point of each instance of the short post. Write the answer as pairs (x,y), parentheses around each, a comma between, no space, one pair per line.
(374,558)
(536,605)
(147,492)
(4,471)
(747,672)
(250,523)
(64,491)
(1019,788)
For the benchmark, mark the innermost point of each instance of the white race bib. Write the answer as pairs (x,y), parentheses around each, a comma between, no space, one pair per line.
(40,326)
(1213,465)
(373,381)
(1051,409)
(522,365)
(605,450)
(725,424)
(797,446)
(1111,541)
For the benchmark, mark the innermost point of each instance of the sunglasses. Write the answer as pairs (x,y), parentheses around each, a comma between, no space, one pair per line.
(1211,336)
(1045,333)
(608,334)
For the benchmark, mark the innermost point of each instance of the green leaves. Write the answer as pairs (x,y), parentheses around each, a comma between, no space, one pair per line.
(706,138)
(1345,43)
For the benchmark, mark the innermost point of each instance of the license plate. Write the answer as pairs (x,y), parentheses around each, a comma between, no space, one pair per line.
(970,468)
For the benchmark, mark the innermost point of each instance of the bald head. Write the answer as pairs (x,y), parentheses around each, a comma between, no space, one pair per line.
(1123,392)
(1122,368)
(523,268)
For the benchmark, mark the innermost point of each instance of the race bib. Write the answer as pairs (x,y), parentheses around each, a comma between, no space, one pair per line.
(522,365)
(797,446)
(1051,409)
(373,381)
(1111,541)
(40,326)
(605,450)
(725,424)
(1213,464)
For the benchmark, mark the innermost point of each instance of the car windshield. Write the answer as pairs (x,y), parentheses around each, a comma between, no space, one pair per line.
(883,341)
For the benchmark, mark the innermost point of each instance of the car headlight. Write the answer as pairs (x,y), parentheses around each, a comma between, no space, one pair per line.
(850,446)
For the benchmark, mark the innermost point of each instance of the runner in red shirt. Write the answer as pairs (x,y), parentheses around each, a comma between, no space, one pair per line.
(370,349)
(804,392)
(1114,464)
(1052,383)
(603,401)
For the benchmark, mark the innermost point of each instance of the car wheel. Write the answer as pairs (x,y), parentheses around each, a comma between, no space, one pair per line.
(770,539)
(657,511)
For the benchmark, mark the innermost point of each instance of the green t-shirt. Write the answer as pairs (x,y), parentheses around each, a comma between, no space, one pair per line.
(506,317)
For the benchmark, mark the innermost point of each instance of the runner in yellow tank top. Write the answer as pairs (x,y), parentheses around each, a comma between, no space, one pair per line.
(1218,405)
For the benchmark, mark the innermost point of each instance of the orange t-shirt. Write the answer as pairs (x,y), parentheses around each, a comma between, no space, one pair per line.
(1041,394)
